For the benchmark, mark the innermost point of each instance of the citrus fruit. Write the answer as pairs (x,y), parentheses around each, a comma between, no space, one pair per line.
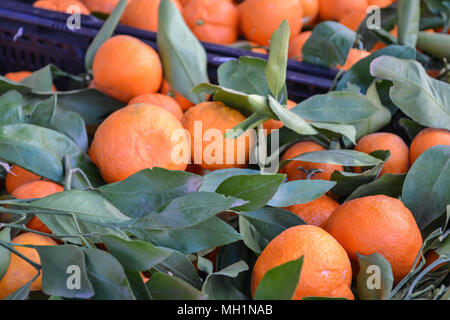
(310,10)
(326,270)
(61,5)
(307,168)
(182,101)
(19,271)
(315,212)
(297,43)
(273,124)
(17,177)
(336,9)
(125,67)
(211,150)
(398,161)
(353,57)
(161,100)
(103,6)
(212,21)
(353,19)
(426,139)
(137,137)
(260,18)
(20,75)
(380,3)
(377,224)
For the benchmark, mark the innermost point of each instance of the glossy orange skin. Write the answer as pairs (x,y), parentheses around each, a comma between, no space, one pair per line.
(125,67)
(291,169)
(326,270)
(273,124)
(336,9)
(377,224)
(182,101)
(297,43)
(353,57)
(103,6)
(315,212)
(143,14)
(212,21)
(216,115)
(398,161)
(310,10)
(426,139)
(17,177)
(158,99)
(137,137)
(256,49)
(61,5)
(19,271)
(380,3)
(34,190)
(260,18)
(353,19)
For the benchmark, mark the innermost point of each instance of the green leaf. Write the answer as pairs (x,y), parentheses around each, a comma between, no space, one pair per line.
(436,44)
(149,189)
(375,279)
(182,55)
(213,179)
(11,108)
(426,191)
(251,237)
(300,191)
(135,255)
(40,80)
(408,22)
(166,287)
(250,123)
(422,98)
(346,130)
(280,282)
(290,119)
(257,189)
(388,184)
(348,158)
(5,254)
(137,285)
(329,44)
(246,75)
(104,33)
(106,276)
(64,272)
(411,127)
(277,63)
(41,151)
(218,286)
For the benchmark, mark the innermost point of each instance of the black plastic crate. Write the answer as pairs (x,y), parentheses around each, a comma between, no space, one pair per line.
(30,38)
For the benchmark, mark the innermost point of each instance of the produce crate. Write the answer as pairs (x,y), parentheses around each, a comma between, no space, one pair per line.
(31,38)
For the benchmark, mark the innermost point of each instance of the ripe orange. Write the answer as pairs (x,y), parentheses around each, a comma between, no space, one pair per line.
(315,212)
(257,48)
(215,118)
(426,139)
(61,5)
(353,57)
(182,101)
(17,177)
(103,6)
(143,14)
(19,271)
(398,162)
(310,10)
(125,67)
(377,224)
(273,124)
(380,3)
(326,270)
(292,168)
(336,9)
(297,43)
(212,21)
(160,100)
(380,45)
(260,18)
(353,19)
(430,257)
(34,190)
(137,137)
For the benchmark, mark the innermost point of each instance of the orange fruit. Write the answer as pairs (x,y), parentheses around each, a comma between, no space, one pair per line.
(315,212)
(336,9)
(326,270)
(103,6)
(292,168)
(17,177)
(430,257)
(353,19)
(310,10)
(212,21)
(182,101)
(377,224)
(260,18)
(380,45)
(257,48)
(273,124)
(125,67)
(143,14)
(34,190)
(297,43)
(184,2)
(137,137)
(353,57)
(61,5)
(426,139)
(19,271)
(398,162)
(380,3)
(215,118)
(160,100)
